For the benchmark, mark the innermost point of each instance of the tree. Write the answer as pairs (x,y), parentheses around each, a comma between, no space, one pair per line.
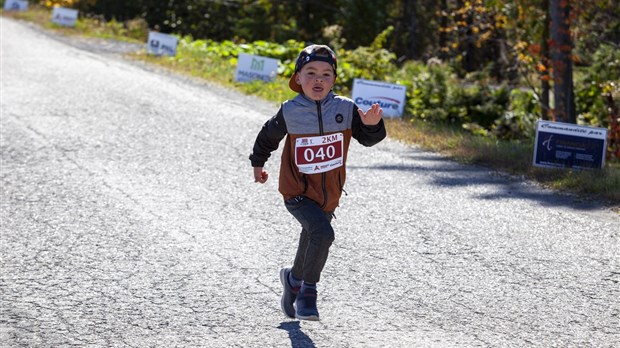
(476,38)
(544,53)
(407,28)
(561,50)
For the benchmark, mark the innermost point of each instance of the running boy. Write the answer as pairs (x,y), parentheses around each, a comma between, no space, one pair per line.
(318,126)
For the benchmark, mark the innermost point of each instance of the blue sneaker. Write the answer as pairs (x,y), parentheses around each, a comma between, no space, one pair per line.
(288,295)
(306,304)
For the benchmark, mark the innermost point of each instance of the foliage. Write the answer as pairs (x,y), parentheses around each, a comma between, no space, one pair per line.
(129,30)
(596,23)
(67,3)
(435,94)
(367,62)
(592,107)
(373,62)
(476,37)
(612,93)
(427,91)
(519,121)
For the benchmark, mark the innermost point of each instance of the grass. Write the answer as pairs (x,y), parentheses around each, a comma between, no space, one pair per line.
(511,157)
(131,31)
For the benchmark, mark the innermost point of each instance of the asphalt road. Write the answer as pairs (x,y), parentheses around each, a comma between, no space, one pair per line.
(130,219)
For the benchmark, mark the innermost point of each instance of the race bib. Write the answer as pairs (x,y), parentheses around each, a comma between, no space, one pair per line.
(319,154)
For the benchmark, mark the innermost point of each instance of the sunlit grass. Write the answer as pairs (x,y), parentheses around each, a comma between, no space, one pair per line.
(35,14)
(131,31)
(512,157)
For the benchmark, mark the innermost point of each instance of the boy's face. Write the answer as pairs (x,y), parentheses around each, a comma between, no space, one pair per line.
(316,79)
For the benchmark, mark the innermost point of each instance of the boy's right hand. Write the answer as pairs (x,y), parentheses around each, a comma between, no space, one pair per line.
(260,176)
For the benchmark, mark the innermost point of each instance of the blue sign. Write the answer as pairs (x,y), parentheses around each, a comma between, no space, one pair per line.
(567,145)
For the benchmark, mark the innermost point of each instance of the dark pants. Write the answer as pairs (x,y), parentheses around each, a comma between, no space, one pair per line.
(316,237)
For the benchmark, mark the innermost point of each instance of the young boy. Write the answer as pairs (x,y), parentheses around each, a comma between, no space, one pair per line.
(318,126)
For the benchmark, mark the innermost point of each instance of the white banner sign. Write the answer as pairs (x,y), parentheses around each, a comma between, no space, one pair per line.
(255,68)
(64,16)
(568,145)
(16,5)
(162,44)
(391,97)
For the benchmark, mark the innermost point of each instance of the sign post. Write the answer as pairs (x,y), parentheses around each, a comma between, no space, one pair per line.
(161,44)
(64,16)
(251,68)
(566,145)
(16,5)
(391,97)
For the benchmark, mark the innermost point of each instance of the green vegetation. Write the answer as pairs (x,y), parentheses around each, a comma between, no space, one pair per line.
(468,117)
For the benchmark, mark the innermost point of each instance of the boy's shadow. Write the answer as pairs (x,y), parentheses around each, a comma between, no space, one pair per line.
(298,338)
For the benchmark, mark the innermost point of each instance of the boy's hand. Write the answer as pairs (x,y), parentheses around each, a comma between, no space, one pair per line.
(260,176)
(372,116)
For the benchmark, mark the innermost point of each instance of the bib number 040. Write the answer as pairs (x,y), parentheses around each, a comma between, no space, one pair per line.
(319,154)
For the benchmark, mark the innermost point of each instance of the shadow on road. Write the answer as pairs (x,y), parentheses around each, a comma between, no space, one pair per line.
(298,338)
(452,174)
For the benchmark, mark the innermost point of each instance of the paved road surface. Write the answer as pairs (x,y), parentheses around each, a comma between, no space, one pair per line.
(130,219)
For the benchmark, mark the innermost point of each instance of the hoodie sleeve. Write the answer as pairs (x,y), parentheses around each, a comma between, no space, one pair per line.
(268,139)
(367,135)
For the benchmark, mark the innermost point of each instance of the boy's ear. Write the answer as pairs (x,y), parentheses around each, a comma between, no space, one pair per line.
(297,78)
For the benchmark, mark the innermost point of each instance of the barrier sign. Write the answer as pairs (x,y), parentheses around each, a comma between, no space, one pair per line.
(16,5)
(251,68)
(162,44)
(567,145)
(64,16)
(391,97)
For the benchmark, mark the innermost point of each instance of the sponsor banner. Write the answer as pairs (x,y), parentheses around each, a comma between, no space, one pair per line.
(64,16)
(161,44)
(391,97)
(16,5)
(251,68)
(566,145)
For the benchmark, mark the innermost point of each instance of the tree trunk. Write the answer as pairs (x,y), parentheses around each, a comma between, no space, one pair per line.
(413,38)
(407,28)
(613,136)
(470,61)
(544,57)
(561,49)
(443,39)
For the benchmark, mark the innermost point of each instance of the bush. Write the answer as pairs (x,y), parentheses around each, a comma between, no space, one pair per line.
(478,104)
(590,83)
(435,94)
(366,62)
(427,90)
(519,122)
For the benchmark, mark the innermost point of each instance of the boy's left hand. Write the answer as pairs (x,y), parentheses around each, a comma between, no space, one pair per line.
(372,116)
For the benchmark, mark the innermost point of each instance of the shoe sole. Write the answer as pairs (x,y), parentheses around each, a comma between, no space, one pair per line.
(283,281)
(309,317)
